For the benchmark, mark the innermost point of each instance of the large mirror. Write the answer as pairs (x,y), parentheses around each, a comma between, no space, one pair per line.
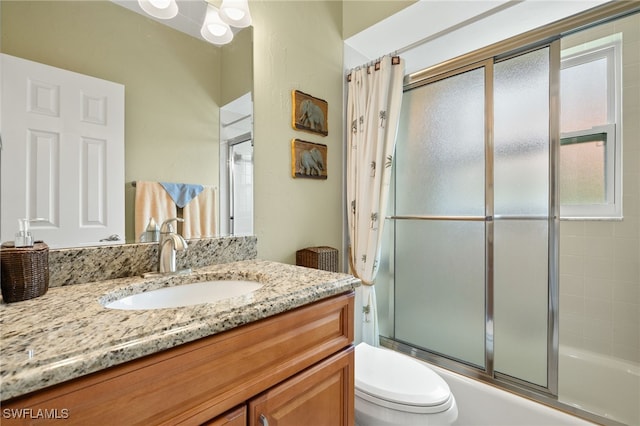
(186,100)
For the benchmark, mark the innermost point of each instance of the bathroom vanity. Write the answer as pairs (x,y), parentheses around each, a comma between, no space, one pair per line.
(280,355)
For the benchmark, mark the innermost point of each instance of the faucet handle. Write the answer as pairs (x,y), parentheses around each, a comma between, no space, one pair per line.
(166,226)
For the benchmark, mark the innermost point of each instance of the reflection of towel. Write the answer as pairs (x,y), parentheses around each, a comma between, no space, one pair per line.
(200,215)
(152,201)
(182,193)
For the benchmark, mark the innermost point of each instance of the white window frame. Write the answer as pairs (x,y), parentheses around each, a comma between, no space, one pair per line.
(609,48)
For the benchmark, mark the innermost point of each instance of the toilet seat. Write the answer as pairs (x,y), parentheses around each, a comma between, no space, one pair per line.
(396,381)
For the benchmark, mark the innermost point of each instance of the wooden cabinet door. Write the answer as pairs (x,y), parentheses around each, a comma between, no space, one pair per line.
(323,395)
(234,417)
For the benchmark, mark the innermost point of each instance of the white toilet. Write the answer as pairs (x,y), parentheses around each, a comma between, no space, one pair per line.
(393,389)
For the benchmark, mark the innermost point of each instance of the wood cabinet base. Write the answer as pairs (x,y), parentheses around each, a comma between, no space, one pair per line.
(199,381)
(320,396)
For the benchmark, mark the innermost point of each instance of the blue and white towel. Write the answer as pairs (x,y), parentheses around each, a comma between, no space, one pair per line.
(182,193)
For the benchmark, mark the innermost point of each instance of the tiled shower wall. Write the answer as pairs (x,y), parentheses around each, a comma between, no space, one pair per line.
(599,260)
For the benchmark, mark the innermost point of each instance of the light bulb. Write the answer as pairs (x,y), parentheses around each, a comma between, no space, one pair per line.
(160,4)
(235,13)
(217,29)
(214,30)
(161,9)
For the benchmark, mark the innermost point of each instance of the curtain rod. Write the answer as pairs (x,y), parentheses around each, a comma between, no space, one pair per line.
(395,60)
(396,53)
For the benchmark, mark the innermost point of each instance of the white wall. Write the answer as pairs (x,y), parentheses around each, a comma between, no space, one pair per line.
(599,260)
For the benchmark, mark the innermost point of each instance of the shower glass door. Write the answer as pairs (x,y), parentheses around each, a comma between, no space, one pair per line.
(241,188)
(440,240)
(472,220)
(521,216)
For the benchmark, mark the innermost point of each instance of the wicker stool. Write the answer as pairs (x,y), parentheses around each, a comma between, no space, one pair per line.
(325,258)
(24,271)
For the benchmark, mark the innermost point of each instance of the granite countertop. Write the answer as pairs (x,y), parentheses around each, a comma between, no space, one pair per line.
(68,333)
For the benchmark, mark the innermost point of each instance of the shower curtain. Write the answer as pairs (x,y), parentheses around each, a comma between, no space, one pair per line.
(373,110)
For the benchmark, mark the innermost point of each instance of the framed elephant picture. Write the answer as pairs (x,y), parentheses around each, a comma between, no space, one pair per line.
(309,113)
(308,160)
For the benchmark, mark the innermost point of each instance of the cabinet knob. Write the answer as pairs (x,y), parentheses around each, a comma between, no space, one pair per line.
(263,420)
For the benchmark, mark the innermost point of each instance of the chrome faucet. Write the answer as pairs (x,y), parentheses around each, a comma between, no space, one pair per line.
(167,255)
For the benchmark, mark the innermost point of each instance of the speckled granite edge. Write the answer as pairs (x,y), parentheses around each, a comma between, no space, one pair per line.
(67,333)
(87,264)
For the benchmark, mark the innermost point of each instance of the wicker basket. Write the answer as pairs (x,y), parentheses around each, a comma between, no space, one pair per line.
(325,258)
(24,271)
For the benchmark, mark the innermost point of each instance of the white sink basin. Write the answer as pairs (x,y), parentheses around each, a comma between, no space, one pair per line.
(186,295)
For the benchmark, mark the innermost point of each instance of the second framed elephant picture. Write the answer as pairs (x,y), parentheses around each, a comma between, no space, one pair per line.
(309,113)
(308,160)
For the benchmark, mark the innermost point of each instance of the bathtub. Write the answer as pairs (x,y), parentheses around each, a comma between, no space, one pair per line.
(603,385)
(480,404)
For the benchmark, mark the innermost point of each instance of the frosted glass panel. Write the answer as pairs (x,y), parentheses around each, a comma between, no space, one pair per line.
(583,172)
(439,287)
(439,271)
(385,281)
(584,95)
(521,135)
(440,148)
(521,299)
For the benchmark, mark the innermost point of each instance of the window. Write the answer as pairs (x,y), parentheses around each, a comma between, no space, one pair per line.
(590,138)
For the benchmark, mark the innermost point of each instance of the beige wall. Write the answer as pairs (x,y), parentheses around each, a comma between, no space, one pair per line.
(237,67)
(600,260)
(361,14)
(172,81)
(297,45)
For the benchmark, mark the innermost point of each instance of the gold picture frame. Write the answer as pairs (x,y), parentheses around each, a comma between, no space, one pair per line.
(308,160)
(309,113)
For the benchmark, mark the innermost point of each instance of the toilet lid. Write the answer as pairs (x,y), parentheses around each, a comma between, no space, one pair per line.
(398,379)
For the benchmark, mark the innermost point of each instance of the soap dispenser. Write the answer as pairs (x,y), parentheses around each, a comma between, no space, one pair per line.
(152,233)
(23,236)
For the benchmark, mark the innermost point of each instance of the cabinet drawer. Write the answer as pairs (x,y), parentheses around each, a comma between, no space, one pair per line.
(198,381)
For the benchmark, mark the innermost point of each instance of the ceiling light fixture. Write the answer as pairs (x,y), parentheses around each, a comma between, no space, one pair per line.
(235,13)
(214,29)
(217,24)
(161,9)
